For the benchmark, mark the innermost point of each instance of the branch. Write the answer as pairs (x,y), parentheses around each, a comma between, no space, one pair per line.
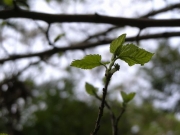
(177,5)
(102,33)
(89,18)
(137,37)
(26,67)
(82,46)
(46,32)
(103,101)
(47,35)
(113,118)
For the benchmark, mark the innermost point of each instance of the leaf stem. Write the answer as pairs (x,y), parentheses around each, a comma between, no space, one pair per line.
(104,65)
(117,120)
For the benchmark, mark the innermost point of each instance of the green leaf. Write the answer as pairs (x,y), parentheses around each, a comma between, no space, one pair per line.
(131,95)
(58,37)
(88,62)
(116,44)
(134,55)
(90,89)
(124,96)
(127,97)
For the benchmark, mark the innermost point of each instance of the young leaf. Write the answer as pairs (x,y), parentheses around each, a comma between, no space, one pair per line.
(58,37)
(124,96)
(90,89)
(116,44)
(134,55)
(88,62)
(131,96)
(127,97)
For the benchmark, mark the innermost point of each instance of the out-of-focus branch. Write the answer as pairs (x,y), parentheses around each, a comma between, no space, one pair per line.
(26,67)
(46,32)
(89,18)
(149,14)
(137,37)
(82,46)
(47,36)
(102,33)
(171,7)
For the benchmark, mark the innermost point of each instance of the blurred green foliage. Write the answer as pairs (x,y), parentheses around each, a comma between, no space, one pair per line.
(64,114)
(58,111)
(164,73)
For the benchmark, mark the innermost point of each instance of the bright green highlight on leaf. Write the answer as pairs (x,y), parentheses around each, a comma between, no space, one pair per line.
(90,89)
(88,62)
(127,97)
(116,44)
(134,55)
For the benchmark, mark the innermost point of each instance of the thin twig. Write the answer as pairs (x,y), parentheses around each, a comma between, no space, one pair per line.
(102,33)
(117,120)
(171,7)
(137,37)
(80,46)
(47,35)
(26,67)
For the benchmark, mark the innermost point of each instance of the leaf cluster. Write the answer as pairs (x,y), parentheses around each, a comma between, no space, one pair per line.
(129,53)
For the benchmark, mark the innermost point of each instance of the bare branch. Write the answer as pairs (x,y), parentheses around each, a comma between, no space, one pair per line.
(89,18)
(137,37)
(102,33)
(26,67)
(82,46)
(47,35)
(177,5)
